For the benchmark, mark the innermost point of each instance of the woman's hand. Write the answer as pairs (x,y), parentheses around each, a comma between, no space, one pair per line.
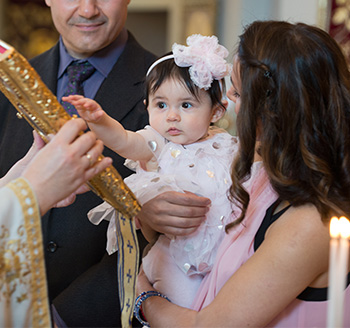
(65,164)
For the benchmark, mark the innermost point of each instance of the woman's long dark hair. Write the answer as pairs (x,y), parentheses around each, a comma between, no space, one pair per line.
(295,100)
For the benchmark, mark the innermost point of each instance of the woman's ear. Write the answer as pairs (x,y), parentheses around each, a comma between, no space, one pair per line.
(219,111)
(144,102)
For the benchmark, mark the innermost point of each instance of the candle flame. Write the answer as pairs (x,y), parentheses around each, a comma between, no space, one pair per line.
(334,228)
(344,227)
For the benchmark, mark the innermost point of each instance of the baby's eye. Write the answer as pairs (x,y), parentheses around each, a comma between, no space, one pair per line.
(186,105)
(161,105)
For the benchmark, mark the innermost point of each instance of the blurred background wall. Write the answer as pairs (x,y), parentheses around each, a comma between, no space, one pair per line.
(26,24)
(157,24)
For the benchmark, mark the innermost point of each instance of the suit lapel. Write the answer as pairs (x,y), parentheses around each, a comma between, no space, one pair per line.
(47,67)
(123,88)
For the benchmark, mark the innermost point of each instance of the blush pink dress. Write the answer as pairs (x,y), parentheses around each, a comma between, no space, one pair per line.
(234,251)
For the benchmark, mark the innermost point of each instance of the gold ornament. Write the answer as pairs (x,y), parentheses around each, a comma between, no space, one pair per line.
(22,85)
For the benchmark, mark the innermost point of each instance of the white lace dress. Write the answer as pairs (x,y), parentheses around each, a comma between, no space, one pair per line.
(202,168)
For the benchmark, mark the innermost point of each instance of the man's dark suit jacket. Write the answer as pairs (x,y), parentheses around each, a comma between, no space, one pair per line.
(82,278)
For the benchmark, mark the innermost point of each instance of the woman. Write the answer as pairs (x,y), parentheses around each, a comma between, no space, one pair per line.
(292,87)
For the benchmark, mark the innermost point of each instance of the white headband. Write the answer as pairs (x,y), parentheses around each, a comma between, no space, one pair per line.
(204,57)
(158,61)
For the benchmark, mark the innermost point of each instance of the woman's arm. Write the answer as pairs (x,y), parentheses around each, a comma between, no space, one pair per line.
(62,166)
(272,278)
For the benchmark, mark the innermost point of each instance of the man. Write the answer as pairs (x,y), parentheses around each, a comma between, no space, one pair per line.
(82,278)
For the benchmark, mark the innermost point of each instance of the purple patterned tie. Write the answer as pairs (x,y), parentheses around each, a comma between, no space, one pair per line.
(77,72)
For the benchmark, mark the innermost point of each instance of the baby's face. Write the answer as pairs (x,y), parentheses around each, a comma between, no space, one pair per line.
(177,115)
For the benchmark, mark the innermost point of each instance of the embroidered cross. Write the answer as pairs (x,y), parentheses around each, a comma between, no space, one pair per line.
(130,247)
(129,276)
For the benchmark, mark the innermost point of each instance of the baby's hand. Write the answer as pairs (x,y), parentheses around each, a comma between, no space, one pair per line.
(88,109)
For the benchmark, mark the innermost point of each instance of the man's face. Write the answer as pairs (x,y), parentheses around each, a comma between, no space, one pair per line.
(87,26)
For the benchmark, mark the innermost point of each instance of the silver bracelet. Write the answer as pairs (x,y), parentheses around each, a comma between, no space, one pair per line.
(138,304)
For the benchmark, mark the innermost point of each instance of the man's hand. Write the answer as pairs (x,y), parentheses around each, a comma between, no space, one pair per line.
(174,213)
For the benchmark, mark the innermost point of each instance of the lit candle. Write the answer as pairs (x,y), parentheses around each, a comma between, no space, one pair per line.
(332,273)
(344,227)
(338,268)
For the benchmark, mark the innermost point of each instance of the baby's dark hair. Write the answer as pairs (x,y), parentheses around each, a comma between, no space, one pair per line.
(167,69)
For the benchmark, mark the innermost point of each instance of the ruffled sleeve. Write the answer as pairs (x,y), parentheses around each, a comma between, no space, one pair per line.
(155,143)
(106,212)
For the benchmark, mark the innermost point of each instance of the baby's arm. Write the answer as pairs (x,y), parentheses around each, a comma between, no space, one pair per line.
(126,143)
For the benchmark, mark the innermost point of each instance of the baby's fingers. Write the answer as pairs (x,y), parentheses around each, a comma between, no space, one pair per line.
(85,104)
(72,98)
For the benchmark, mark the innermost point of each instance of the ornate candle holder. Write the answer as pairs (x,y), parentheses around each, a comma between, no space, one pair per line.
(22,85)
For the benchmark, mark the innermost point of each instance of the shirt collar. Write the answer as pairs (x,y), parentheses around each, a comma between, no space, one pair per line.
(103,60)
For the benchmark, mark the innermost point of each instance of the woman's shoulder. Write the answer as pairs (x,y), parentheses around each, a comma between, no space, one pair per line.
(304,217)
(297,246)
(298,229)
(300,223)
